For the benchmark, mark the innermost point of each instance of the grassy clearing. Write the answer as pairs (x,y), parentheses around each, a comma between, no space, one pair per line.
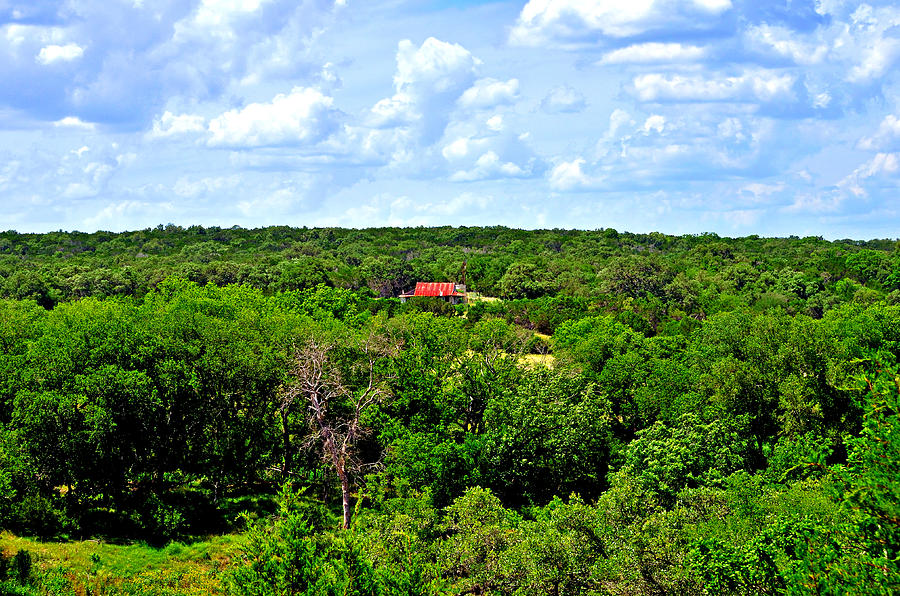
(537,360)
(96,567)
(476,297)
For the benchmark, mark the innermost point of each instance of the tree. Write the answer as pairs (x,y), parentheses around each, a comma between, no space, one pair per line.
(524,280)
(335,404)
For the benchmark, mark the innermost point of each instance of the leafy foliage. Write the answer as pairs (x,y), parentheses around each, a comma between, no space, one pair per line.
(704,415)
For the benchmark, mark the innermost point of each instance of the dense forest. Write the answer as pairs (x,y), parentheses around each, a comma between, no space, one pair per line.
(610,413)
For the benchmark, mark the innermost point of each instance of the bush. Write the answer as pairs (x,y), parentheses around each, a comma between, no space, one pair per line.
(21,566)
(287,557)
(40,516)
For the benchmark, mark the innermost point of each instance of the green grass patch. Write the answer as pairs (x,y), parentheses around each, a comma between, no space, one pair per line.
(97,567)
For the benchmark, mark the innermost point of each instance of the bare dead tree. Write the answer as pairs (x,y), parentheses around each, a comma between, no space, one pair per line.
(335,410)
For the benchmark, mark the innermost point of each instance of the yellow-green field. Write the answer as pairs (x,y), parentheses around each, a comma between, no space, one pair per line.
(476,297)
(537,360)
(100,568)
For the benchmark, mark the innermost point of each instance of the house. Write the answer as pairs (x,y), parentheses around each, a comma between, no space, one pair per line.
(452,293)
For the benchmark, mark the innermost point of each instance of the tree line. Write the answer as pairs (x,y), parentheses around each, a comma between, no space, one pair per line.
(663,275)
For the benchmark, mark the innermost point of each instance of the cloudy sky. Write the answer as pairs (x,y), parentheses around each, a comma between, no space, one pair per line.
(682,116)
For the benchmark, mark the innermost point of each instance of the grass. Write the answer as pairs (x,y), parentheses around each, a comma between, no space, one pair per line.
(537,360)
(476,297)
(96,567)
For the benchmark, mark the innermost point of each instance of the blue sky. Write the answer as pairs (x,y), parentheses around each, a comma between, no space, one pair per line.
(681,116)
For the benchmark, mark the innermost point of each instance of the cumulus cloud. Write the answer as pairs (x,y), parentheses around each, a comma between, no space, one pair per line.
(704,98)
(876,60)
(170,125)
(488,150)
(577,22)
(74,122)
(668,151)
(864,42)
(569,175)
(887,137)
(428,82)
(780,41)
(489,93)
(50,179)
(54,53)
(868,188)
(879,172)
(144,55)
(758,86)
(654,53)
(489,165)
(435,68)
(303,116)
(437,111)
(216,17)
(563,99)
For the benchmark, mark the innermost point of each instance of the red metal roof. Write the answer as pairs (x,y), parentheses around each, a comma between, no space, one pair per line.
(435,289)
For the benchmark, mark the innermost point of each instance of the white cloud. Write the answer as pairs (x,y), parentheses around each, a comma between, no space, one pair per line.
(654,122)
(122,214)
(391,112)
(887,137)
(488,93)
(405,211)
(784,42)
(877,59)
(489,165)
(731,129)
(456,149)
(74,122)
(618,119)
(169,125)
(879,171)
(576,22)
(54,53)
(78,190)
(461,203)
(862,190)
(654,53)
(495,123)
(304,116)
(434,68)
(92,179)
(569,175)
(280,201)
(476,150)
(217,18)
(672,149)
(742,218)
(188,188)
(428,83)
(704,99)
(464,208)
(143,56)
(563,99)
(759,192)
(758,86)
